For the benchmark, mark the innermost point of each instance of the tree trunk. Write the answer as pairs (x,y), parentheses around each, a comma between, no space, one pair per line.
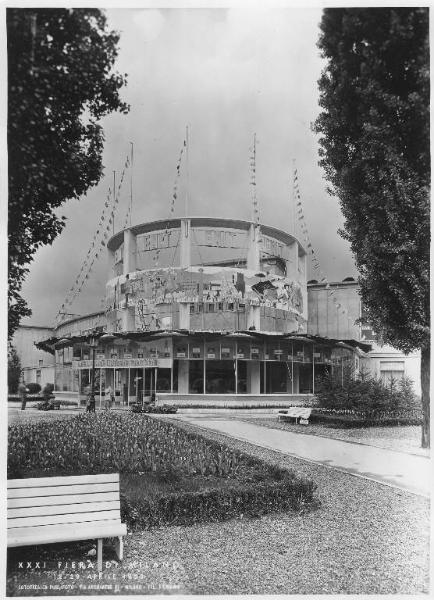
(425,376)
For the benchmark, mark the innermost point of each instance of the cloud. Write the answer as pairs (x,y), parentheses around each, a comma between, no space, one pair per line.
(149,22)
(227,73)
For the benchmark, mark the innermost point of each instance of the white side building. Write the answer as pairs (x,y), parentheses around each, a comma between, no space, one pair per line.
(37,366)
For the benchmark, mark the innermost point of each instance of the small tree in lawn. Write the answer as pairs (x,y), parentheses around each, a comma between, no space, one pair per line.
(60,84)
(375,150)
(14,369)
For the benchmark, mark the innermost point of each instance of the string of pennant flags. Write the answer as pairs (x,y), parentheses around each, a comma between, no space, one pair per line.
(315,261)
(173,199)
(252,163)
(99,240)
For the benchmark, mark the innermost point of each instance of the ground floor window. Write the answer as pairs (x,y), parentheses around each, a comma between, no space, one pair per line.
(391,372)
(163,380)
(220,377)
(195,374)
(275,378)
(305,379)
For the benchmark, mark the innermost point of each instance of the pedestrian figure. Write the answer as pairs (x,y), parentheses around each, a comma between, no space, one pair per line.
(22,391)
(90,403)
(109,397)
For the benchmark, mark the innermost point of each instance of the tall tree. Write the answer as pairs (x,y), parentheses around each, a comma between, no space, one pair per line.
(374,127)
(60,83)
(14,369)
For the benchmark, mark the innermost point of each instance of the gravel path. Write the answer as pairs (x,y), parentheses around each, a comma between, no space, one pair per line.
(405,438)
(365,538)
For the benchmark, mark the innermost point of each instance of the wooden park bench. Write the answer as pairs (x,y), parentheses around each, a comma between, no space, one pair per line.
(299,414)
(49,510)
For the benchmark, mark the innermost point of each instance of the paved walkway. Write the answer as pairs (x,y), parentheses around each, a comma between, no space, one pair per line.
(398,469)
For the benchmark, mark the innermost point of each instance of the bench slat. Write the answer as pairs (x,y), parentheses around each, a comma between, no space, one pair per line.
(62,490)
(58,500)
(85,507)
(51,534)
(59,519)
(64,480)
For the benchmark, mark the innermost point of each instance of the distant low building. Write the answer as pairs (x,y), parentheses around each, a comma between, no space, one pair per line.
(326,318)
(37,366)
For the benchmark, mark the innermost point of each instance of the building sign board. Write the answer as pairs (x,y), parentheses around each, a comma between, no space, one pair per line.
(156,241)
(116,363)
(271,246)
(220,238)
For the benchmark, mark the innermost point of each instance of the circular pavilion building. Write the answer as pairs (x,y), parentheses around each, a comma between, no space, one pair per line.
(199,311)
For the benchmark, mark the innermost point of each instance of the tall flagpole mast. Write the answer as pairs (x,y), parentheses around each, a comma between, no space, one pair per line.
(186,207)
(114,199)
(255,210)
(131,181)
(293,196)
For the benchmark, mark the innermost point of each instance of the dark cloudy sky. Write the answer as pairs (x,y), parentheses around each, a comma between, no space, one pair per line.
(227,73)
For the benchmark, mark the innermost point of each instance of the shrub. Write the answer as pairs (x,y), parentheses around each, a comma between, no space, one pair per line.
(48,389)
(34,388)
(366,395)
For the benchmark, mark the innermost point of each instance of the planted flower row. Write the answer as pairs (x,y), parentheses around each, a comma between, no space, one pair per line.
(109,442)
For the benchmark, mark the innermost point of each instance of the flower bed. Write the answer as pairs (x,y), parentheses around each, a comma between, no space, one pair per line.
(350,419)
(154,409)
(231,483)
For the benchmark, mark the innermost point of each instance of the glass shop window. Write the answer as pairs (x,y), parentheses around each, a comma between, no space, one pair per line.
(181,352)
(195,351)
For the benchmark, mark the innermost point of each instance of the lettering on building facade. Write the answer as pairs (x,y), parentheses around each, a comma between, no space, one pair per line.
(116,363)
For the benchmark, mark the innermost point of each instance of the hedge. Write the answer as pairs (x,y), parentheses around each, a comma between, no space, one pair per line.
(250,500)
(348,421)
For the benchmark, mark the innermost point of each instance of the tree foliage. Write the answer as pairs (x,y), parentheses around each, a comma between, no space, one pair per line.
(375,150)
(14,369)
(60,84)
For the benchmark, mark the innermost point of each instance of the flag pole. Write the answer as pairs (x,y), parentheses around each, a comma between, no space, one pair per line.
(131,181)
(114,198)
(292,199)
(186,207)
